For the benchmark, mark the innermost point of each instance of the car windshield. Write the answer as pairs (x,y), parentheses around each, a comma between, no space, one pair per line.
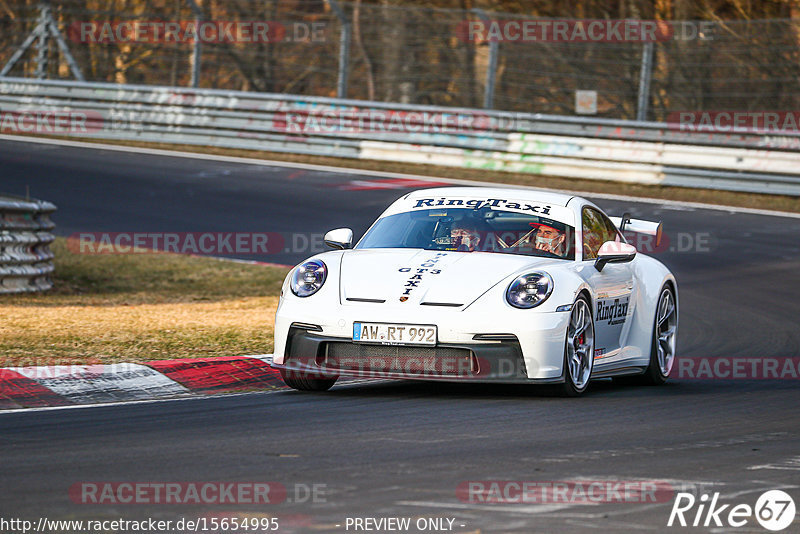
(470,230)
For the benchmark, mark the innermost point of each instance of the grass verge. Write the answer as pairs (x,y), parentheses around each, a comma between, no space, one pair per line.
(138,307)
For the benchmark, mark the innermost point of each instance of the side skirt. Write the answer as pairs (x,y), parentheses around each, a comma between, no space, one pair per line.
(620,371)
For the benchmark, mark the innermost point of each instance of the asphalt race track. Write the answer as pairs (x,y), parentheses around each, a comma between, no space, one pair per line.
(401,449)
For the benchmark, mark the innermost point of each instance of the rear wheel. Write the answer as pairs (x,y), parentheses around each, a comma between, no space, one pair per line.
(579,349)
(665,333)
(304,382)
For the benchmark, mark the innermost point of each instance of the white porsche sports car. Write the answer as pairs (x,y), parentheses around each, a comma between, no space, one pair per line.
(484,285)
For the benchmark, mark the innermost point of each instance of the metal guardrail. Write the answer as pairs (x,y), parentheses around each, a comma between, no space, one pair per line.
(26,261)
(577,147)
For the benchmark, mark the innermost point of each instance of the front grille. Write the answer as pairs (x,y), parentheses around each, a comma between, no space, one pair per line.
(417,361)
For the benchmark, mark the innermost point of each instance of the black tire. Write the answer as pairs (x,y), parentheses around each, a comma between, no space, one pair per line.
(570,387)
(303,382)
(656,373)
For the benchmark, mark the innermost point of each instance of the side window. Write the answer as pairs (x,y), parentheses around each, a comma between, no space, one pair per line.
(597,229)
(611,231)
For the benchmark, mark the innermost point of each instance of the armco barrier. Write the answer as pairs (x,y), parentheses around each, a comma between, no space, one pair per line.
(575,147)
(25,256)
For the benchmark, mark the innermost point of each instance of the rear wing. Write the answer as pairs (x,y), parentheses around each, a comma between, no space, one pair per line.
(626,224)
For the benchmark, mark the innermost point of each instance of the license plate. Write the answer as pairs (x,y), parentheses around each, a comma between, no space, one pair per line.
(394,334)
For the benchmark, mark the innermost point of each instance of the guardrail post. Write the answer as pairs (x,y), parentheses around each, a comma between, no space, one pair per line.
(43,41)
(491,67)
(45,27)
(196,48)
(21,50)
(344,48)
(645,75)
(52,27)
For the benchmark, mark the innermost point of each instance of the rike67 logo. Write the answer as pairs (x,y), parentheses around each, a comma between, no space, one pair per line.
(774,510)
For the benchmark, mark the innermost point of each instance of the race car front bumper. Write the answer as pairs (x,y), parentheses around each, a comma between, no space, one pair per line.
(310,353)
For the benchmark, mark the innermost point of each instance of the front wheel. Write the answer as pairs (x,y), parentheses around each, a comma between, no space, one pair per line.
(304,382)
(579,349)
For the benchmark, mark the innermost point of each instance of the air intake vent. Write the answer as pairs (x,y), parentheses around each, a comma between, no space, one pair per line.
(427,361)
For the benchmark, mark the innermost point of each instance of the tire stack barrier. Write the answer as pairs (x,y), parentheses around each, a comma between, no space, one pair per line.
(26,261)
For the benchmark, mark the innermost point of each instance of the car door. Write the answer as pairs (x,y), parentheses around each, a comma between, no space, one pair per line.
(613,287)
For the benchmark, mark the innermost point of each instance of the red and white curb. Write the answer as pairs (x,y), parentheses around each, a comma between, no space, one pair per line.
(65,385)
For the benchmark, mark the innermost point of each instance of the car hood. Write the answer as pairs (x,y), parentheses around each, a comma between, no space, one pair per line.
(426,277)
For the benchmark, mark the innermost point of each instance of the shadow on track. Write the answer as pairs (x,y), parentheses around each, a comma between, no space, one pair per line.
(598,388)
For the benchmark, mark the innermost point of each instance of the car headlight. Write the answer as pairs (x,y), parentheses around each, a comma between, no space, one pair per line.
(529,290)
(308,278)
